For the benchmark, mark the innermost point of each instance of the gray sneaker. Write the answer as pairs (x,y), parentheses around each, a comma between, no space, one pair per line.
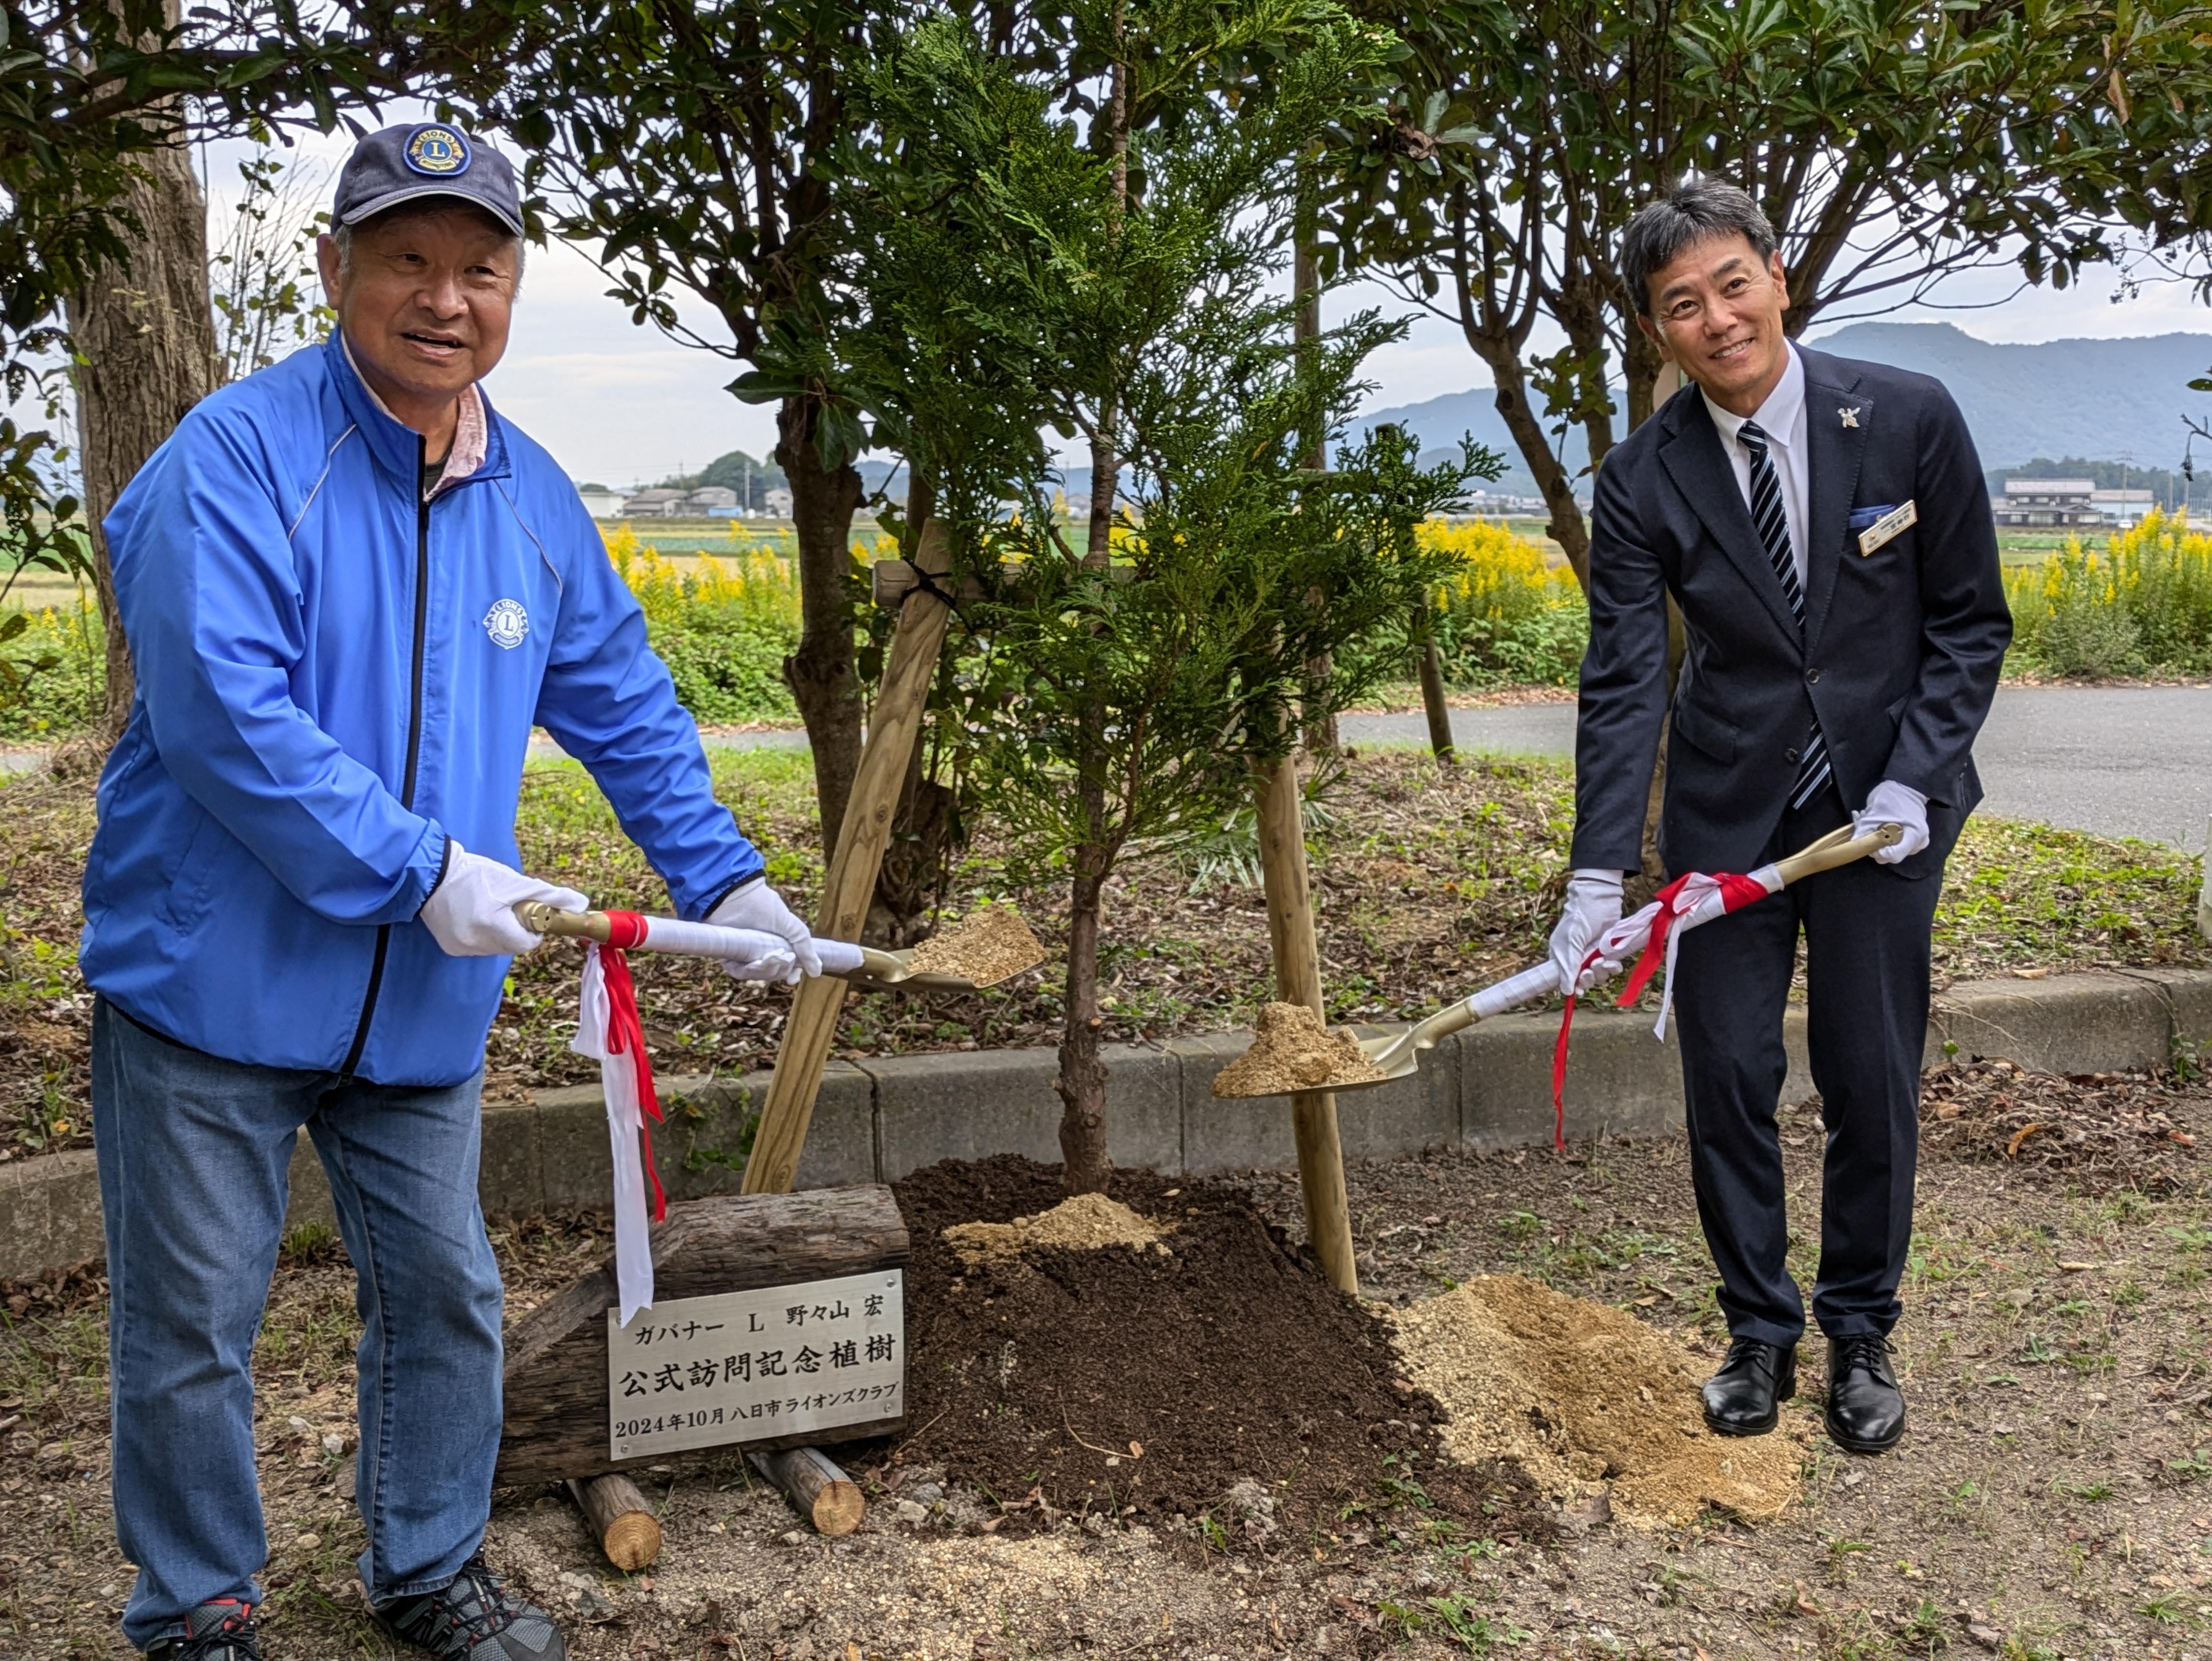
(475,1619)
(219,1631)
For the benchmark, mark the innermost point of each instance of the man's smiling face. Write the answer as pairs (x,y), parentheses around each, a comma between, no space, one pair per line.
(425,300)
(1717,311)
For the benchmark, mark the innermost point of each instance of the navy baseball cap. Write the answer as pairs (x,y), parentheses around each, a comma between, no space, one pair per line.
(432,158)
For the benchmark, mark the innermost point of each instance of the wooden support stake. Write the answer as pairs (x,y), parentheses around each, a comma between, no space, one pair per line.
(1297,980)
(823,1493)
(1434,704)
(622,1520)
(894,726)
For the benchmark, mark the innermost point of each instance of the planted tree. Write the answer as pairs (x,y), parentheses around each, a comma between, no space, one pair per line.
(263,283)
(1119,285)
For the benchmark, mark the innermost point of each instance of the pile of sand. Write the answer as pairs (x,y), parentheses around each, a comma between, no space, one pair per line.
(1083,1223)
(1578,1394)
(984,947)
(1292,1050)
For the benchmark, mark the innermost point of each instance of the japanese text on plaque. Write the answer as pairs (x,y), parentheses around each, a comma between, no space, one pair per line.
(742,1366)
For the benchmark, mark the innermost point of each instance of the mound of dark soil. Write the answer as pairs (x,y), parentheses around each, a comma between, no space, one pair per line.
(2099,1130)
(1128,1383)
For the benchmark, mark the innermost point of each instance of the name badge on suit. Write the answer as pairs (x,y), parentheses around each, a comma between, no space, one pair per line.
(1876,525)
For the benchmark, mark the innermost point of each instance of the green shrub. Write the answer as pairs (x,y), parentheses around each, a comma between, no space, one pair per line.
(2142,603)
(64,695)
(1507,614)
(2084,639)
(723,627)
(727,664)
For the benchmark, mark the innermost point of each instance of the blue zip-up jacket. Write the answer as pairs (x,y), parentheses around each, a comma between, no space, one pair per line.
(332,675)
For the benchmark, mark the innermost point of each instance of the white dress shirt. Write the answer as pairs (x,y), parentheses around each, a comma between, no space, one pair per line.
(1782,418)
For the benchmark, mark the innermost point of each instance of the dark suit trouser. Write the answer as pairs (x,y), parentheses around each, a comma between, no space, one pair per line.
(1867,947)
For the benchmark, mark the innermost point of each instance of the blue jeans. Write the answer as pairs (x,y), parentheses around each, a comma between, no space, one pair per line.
(193,1152)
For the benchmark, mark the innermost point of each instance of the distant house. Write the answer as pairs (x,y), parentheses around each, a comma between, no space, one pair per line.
(2123,507)
(600,502)
(659,502)
(2046,504)
(777,502)
(1484,504)
(711,501)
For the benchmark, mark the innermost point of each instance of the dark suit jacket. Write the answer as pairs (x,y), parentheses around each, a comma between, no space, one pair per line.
(1899,653)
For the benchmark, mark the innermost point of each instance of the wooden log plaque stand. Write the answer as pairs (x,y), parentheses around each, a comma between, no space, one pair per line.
(559,1402)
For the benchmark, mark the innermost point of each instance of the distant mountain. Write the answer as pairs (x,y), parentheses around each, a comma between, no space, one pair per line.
(2096,398)
(2099,399)
(1442,422)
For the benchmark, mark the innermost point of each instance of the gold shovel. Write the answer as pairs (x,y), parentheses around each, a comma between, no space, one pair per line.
(1398,1056)
(877,969)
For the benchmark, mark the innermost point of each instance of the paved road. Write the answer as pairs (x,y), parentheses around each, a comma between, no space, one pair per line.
(2122,761)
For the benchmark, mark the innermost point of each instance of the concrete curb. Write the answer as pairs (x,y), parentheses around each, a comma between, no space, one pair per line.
(1489,1086)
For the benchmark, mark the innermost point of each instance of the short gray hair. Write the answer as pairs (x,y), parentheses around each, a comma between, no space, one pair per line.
(1695,208)
(343,235)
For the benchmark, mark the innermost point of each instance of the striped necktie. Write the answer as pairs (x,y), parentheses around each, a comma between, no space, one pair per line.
(1774,531)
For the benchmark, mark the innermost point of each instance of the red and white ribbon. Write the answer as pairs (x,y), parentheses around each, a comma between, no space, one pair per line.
(1653,933)
(609,1029)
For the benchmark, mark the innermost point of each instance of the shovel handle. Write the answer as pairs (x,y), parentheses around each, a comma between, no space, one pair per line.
(1839,847)
(540,918)
(841,958)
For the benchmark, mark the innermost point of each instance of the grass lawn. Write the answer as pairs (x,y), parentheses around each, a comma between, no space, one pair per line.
(1429,881)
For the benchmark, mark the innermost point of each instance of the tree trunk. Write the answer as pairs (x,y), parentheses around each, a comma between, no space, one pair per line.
(1085,1166)
(144,338)
(927,822)
(1320,726)
(1643,367)
(1511,379)
(1082,1082)
(1429,664)
(922,833)
(820,674)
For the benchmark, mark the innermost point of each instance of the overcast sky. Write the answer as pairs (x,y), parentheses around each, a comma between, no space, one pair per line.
(622,404)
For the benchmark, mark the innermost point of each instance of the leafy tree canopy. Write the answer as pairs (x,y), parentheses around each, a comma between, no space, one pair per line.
(1890,143)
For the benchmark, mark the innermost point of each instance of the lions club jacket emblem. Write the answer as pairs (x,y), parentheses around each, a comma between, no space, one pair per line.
(507,622)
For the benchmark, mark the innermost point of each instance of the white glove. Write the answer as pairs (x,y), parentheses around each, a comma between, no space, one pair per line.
(1593,906)
(471,913)
(770,958)
(1892,803)
(757,906)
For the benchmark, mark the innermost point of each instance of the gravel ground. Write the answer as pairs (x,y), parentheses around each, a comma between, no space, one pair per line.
(2050,1501)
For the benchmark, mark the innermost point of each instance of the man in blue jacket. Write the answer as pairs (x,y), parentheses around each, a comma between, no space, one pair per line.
(350,589)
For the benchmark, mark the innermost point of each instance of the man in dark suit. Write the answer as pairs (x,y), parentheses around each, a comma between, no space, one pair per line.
(1825,528)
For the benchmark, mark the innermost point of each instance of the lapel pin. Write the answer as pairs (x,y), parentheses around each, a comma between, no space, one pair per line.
(1850,416)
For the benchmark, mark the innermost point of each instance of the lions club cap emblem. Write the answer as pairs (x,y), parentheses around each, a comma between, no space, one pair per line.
(437,151)
(507,622)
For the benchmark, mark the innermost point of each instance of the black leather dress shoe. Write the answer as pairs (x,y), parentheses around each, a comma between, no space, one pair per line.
(1741,1399)
(1866,1409)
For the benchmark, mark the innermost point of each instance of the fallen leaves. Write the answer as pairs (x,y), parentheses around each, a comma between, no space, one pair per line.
(2103,1130)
